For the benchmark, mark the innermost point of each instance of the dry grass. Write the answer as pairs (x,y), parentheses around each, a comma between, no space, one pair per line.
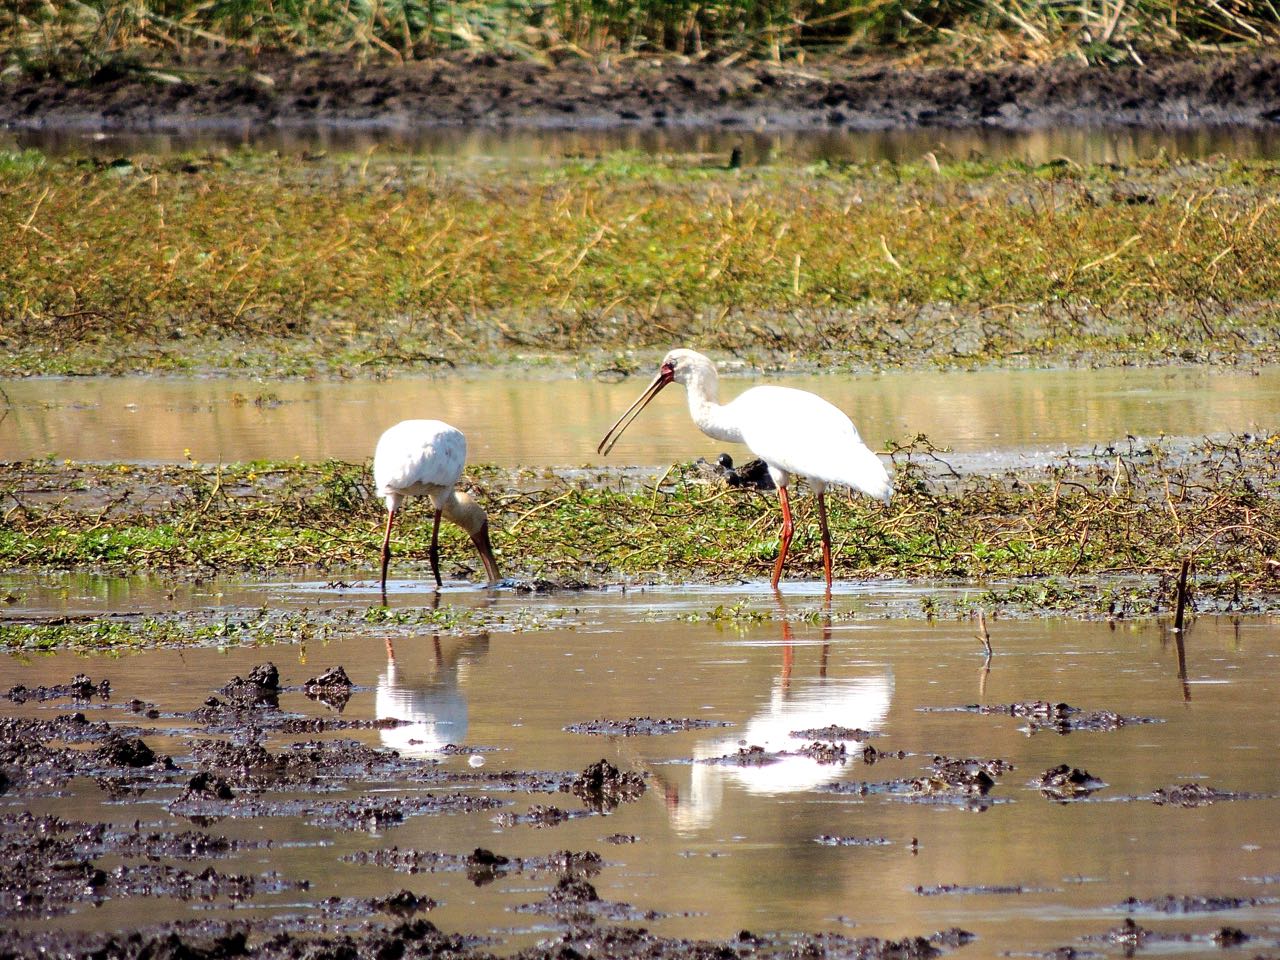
(886,264)
(86,36)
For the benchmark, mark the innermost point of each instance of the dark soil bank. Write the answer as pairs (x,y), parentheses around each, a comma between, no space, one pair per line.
(232,90)
(244,764)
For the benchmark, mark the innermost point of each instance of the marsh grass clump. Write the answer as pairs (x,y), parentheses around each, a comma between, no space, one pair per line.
(285,265)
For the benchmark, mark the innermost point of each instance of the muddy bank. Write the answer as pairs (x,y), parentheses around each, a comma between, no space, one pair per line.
(258,773)
(232,90)
(241,763)
(421,938)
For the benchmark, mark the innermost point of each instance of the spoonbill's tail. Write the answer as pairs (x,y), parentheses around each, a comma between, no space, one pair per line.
(865,471)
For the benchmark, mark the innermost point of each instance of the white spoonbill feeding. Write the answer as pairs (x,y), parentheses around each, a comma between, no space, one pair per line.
(425,458)
(793,431)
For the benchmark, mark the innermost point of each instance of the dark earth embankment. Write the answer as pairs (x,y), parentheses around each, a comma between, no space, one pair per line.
(233,90)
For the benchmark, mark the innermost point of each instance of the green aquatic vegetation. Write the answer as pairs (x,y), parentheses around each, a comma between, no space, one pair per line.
(1131,510)
(365,267)
(258,628)
(1120,600)
(739,613)
(262,627)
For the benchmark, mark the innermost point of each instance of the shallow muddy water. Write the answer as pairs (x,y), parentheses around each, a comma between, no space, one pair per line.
(537,423)
(722,847)
(1081,144)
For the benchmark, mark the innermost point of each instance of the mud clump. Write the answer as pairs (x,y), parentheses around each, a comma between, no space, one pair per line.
(1193,904)
(335,678)
(80,688)
(404,904)
(1065,782)
(120,751)
(332,688)
(962,782)
(523,781)
(26,759)
(964,777)
(261,687)
(574,900)
(573,890)
(53,869)
(870,755)
(482,866)
(1194,795)
(366,813)
(827,753)
(642,726)
(602,786)
(67,727)
(1055,717)
(833,732)
(1231,937)
(957,889)
(255,700)
(752,755)
(205,786)
(542,815)
(1132,936)
(224,941)
(831,840)
(419,939)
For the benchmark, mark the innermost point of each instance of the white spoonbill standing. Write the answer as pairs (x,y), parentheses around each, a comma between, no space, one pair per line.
(793,431)
(425,458)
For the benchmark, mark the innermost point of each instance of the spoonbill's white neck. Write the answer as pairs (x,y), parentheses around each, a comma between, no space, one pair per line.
(702,385)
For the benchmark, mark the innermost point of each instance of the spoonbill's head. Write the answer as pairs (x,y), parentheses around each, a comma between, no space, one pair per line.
(685,366)
(470,516)
(678,366)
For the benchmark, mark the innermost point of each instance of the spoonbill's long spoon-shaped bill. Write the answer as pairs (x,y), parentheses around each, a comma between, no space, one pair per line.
(425,458)
(665,375)
(795,432)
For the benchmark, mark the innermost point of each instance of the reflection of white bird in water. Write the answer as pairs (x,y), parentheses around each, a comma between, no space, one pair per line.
(793,431)
(795,707)
(856,702)
(432,705)
(425,458)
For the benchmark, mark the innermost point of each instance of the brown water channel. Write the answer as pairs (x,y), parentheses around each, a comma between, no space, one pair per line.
(720,847)
(530,422)
(1081,144)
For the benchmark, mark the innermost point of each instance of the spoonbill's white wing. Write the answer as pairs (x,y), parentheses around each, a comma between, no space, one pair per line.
(799,432)
(415,456)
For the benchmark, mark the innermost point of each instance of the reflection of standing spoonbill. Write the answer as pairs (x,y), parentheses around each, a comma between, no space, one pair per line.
(429,699)
(425,458)
(800,712)
(793,431)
